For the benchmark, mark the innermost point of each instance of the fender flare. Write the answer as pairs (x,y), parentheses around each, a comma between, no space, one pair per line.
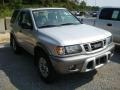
(42,47)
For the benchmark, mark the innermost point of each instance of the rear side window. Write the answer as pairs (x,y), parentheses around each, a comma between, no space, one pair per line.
(110,14)
(15,13)
(25,18)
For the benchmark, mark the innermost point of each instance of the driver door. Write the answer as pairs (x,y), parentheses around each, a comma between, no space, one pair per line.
(26,32)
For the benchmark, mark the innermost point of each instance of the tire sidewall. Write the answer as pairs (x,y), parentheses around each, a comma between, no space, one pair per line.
(16,47)
(51,72)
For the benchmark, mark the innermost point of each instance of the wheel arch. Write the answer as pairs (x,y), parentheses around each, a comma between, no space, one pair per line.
(41,48)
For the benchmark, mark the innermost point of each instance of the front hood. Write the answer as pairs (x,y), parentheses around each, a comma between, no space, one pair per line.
(74,34)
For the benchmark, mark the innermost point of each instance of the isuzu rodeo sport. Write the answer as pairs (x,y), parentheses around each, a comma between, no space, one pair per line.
(59,42)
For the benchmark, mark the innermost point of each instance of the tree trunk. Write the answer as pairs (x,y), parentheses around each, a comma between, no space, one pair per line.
(3,2)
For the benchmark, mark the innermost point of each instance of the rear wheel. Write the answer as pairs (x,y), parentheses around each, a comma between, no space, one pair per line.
(14,45)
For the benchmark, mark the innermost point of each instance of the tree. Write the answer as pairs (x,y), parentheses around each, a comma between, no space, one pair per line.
(83,5)
(75,1)
(16,3)
(2,2)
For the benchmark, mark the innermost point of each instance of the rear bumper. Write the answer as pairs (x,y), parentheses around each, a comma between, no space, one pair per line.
(82,63)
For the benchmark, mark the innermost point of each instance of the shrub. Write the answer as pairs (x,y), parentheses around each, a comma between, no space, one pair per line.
(5,11)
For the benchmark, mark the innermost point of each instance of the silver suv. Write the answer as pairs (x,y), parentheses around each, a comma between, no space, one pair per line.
(59,42)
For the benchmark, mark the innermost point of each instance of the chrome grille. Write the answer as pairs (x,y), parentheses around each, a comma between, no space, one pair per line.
(94,45)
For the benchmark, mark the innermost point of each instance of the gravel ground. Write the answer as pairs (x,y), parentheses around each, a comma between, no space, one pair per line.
(17,72)
(4,37)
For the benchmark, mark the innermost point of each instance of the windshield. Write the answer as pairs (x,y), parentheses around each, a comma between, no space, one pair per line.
(54,17)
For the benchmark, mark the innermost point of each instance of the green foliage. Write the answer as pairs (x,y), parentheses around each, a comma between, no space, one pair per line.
(95,8)
(7,6)
(82,6)
(5,11)
(15,4)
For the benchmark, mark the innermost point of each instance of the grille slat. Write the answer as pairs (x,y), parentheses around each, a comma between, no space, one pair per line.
(104,42)
(96,45)
(86,46)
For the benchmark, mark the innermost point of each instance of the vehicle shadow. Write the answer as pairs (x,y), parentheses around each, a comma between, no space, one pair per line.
(116,57)
(23,75)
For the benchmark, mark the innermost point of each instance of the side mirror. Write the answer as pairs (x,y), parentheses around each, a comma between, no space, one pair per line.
(26,26)
(81,20)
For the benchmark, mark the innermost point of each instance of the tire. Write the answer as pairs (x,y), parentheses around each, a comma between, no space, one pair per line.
(14,45)
(45,68)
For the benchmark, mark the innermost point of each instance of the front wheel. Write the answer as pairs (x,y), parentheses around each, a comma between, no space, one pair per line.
(45,68)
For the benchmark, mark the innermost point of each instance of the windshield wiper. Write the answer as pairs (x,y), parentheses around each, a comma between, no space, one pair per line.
(45,26)
(69,23)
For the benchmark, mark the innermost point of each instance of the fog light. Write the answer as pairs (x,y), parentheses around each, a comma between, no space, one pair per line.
(90,65)
(72,67)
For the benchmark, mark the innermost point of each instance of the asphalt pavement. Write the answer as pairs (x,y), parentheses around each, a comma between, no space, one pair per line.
(17,72)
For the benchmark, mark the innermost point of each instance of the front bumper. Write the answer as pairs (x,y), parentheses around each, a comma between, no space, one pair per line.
(82,63)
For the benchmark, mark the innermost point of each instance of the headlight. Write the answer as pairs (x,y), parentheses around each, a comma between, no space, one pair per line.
(109,40)
(72,49)
(60,50)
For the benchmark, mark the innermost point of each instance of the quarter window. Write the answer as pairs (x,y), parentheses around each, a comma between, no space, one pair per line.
(119,17)
(115,14)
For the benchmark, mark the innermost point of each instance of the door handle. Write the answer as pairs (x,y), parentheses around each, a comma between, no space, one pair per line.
(109,24)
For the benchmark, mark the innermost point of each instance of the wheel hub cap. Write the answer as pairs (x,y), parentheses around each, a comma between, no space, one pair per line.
(43,67)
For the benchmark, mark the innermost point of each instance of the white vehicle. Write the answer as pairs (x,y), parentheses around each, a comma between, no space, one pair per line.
(108,19)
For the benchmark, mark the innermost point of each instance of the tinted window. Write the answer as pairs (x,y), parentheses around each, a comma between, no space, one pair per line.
(25,18)
(119,17)
(106,14)
(15,13)
(110,14)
